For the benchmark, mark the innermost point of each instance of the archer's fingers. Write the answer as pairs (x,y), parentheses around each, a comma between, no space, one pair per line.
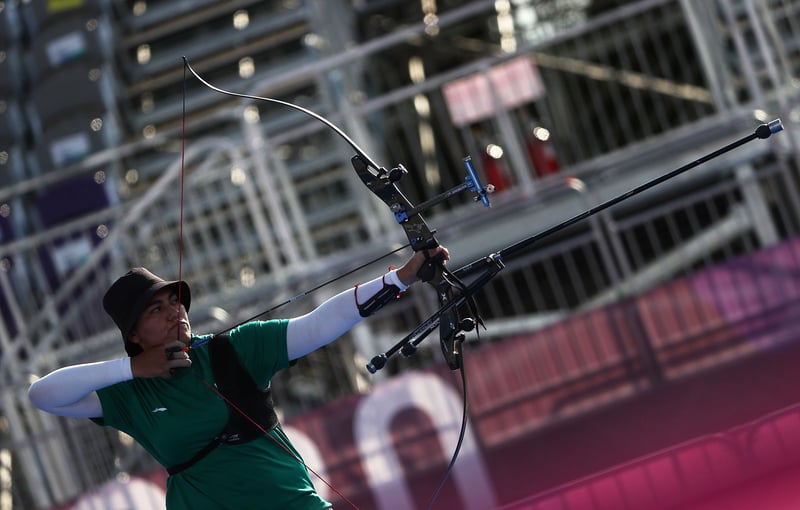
(177,356)
(440,253)
(443,252)
(174,349)
(180,362)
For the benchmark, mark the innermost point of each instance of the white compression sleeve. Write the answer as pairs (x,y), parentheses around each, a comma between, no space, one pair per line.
(334,317)
(70,391)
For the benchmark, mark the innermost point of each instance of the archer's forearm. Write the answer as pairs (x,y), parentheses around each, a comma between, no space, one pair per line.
(334,317)
(70,391)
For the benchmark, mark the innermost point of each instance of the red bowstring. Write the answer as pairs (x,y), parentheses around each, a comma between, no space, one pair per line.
(183,175)
(180,287)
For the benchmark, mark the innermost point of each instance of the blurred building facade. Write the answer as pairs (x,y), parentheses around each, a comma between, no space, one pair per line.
(562,105)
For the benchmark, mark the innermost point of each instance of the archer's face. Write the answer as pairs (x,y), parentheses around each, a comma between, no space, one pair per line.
(163,320)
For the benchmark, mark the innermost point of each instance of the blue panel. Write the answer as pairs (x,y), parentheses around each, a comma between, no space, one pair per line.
(71,199)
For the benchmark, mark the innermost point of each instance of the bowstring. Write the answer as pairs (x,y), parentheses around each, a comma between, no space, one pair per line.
(180,287)
(183,179)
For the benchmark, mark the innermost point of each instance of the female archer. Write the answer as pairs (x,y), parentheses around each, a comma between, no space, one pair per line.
(200,404)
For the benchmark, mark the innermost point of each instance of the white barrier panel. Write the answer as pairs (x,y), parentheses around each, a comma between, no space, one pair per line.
(371,430)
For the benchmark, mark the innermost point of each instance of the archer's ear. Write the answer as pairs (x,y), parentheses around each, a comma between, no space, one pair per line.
(133,337)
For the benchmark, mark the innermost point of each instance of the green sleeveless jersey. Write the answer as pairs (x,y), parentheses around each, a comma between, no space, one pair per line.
(175,418)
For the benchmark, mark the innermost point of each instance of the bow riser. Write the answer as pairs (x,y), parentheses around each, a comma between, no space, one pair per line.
(420,236)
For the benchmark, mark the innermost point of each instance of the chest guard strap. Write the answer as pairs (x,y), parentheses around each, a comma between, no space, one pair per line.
(237,385)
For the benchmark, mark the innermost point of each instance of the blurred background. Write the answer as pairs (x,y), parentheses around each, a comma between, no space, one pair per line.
(643,358)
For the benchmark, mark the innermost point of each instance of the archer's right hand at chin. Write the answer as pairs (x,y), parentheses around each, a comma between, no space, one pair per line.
(159,361)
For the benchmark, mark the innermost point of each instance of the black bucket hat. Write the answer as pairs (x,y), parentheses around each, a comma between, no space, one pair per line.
(127,298)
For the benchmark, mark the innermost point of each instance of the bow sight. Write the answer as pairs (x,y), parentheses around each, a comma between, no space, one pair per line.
(383,184)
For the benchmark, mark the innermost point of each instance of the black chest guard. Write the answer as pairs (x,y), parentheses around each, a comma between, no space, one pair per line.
(237,385)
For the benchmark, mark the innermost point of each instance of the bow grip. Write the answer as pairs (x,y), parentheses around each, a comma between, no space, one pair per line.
(430,267)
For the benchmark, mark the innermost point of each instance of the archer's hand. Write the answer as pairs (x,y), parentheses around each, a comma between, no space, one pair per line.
(159,361)
(408,273)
